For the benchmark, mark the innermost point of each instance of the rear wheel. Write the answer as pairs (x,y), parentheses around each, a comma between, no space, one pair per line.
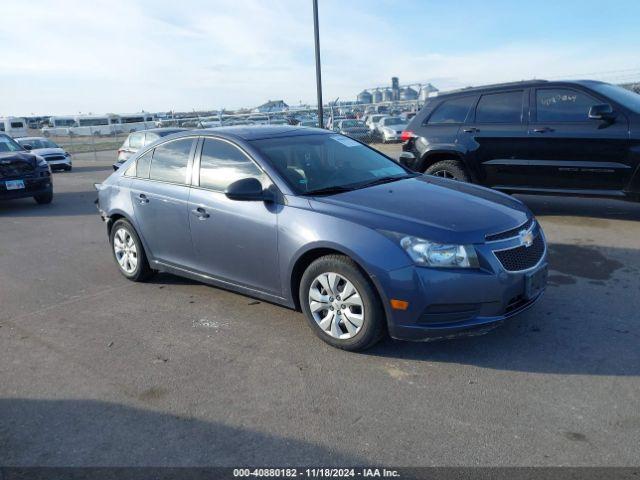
(128,252)
(340,303)
(44,198)
(452,169)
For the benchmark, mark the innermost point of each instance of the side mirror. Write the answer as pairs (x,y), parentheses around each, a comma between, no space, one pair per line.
(601,112)
(248,189)
(27,147)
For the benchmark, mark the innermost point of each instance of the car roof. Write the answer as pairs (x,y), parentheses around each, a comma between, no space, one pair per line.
(259,132)
(162,131)
(520,84)
(31,138)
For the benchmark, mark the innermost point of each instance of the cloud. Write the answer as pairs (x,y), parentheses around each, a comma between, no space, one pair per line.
(117,56)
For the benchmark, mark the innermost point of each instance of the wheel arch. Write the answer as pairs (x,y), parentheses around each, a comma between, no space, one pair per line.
(431,157)
(307,257)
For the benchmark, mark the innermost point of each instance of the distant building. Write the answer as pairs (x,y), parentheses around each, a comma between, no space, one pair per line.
(272,106)
(364,97)
(427,91)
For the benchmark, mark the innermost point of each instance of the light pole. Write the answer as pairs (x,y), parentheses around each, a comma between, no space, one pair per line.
(318,73)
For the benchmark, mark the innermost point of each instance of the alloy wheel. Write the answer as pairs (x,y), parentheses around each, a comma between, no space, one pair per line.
(336,305)
(125,250)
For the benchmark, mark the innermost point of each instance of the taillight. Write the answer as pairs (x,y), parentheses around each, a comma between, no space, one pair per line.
(406,135)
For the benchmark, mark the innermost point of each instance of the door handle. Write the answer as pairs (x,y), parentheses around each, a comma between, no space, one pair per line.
(543,130)
(471,130)
(200,212)
(142,198)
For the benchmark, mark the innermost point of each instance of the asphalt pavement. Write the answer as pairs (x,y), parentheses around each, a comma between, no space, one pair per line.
(96,370)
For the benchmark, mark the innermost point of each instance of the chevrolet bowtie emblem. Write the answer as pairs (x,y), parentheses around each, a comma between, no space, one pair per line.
(526,238)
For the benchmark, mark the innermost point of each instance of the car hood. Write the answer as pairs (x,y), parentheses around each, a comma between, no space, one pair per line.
(438,209)
(16,164)
(48,151)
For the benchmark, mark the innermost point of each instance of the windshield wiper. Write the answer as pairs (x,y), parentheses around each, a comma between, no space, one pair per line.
(383,180)
(329,190)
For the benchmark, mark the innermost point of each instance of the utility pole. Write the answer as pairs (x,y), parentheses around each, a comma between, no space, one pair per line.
(318,73)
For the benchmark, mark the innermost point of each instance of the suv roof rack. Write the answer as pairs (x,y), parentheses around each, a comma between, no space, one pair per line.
(495,85)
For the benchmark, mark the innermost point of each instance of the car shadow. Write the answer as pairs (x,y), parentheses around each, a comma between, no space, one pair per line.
(600,208)
(97,433)
(64,204)
(585,324)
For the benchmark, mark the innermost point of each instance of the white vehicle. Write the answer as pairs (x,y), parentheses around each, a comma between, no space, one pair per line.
(87,125)
(59,126)
(372,122)
(390,128)
(13,126)
(129,123)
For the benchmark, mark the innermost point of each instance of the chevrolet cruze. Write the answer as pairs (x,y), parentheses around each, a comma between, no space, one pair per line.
(322,223)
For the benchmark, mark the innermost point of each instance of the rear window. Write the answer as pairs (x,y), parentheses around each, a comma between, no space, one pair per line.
(452,111)
(500,108)
(136,140)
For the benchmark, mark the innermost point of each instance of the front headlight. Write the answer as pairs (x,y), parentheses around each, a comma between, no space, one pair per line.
(427,253)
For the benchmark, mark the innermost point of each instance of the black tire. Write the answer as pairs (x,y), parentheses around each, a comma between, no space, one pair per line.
(453,169)
(68,169)
(142,271)
(373,326)
(44,198)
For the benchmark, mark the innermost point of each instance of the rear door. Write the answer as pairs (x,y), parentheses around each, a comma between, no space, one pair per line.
(160,194)
(495,139)
(234,241)
(570,151)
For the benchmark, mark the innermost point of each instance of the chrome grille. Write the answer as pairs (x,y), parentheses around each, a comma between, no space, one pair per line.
(509,233)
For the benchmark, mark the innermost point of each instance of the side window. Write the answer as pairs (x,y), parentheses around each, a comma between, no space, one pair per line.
(140,168)
(562,105)
(169,162)
(136,140)
(500,108)
(452,111)
(222,164)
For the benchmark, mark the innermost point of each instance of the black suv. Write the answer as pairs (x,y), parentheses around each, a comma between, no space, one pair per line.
(23,174)
(578,137)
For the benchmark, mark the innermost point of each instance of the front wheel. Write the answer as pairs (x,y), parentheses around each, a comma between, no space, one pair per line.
(340,304)
(452,169)
(128,252)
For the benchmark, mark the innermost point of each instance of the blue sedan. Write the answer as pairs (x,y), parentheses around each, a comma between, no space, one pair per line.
(322,223)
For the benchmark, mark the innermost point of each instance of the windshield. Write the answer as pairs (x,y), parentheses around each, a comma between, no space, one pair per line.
(9,144)
(625,97)
(351,124)
(393,121)
(37,143)
(319,162)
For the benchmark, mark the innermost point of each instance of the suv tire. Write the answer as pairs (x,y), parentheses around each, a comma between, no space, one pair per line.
(44,198)
(453,169)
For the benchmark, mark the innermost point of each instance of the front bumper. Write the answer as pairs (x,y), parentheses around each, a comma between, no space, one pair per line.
(67,162)
(33,186)
(447,303)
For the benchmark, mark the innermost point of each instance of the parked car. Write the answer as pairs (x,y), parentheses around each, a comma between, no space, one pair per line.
(575,138)
(136,140)
(57,158)
(372,122)
(391,128)
(22,173)
(317,221)
(354,129)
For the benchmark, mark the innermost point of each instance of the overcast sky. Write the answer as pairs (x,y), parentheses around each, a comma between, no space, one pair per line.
(68,56)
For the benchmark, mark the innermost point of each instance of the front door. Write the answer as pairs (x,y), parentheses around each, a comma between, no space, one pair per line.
(570,151)
(234,241)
